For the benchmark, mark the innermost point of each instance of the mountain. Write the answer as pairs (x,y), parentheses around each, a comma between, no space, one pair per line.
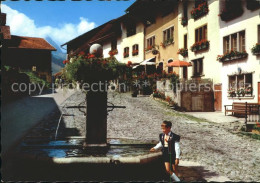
(57,56)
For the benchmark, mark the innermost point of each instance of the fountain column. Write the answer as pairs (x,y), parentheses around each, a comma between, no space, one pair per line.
(96,121)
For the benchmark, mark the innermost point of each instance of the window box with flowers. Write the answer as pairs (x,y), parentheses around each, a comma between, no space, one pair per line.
(256,49)
(200,11)
(135,52)
(231,92)
(183,52)
(232,55)
(149,48)
(167,42)
(201,45)
(126,55)
(113,52)
(184,21)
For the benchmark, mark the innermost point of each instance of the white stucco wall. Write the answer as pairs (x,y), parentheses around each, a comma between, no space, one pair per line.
(138,38)
(107,48)
(248,22)
(211,68)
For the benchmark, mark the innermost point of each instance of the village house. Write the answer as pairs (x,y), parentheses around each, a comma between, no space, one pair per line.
(132,44)
(160,33)
(26,53)
(198,33)
(108,35)
(238,52)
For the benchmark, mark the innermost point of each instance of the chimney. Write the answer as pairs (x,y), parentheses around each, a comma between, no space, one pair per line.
(2,19)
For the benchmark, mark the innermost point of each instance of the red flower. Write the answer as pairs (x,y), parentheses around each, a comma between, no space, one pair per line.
(91,56)
(65,62)
(81,53)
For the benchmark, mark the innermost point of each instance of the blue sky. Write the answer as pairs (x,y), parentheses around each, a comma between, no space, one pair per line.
(61,21)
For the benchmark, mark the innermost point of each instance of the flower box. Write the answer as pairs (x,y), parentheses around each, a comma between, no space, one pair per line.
(201,45)
(200,11)
(232,55)
(184,21)
(135,52)
(113,52)
(126,55)
(167,42)
(183,52)
(256,49)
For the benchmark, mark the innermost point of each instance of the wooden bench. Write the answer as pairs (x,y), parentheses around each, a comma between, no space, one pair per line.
(240,108)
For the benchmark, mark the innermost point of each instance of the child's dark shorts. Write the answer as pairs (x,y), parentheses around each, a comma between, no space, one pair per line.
(166,156)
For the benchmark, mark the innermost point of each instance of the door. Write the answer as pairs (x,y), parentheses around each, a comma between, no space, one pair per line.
(258,92)
(218,97)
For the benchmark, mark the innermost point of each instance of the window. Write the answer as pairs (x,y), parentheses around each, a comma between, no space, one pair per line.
(185,9)
(126,52)
(130,29)
(170,69)
(244,81)
(135,50)
(114,44)
(150,42)
(235,42)
(185,42)
(185,73)
(168,34)
(197,67)
(33,68)
(258,33)
(201,33)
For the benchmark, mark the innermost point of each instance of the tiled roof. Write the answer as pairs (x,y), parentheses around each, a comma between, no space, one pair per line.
(29,43)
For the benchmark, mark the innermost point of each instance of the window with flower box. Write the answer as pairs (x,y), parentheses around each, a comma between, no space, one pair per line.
(168,36)
(201,36)
(114,44)
(184,20)
(256,48)
(126,52)
(184,51)
(201,9)
(150,43)
(240,85)
(234,47)
(135,50)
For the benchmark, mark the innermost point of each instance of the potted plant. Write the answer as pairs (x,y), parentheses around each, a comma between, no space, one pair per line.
(200,11)
(183,52)
(232,92)
(256,49)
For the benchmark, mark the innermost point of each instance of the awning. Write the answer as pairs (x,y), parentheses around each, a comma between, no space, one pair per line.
(179,63)
(150,61)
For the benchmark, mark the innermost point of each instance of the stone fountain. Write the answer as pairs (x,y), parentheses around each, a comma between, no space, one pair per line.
(96,153)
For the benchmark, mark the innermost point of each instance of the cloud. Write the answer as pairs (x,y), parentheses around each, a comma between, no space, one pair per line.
(22,25)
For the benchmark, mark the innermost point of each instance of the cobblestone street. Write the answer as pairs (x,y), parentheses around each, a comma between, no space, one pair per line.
(212,145)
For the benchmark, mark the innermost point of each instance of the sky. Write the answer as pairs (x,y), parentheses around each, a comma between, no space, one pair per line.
(60,20)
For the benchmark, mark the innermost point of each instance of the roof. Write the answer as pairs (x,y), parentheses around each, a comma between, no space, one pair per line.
(29,43)
(97,35)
